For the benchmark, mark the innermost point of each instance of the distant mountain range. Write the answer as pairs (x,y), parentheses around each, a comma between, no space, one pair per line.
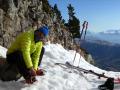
(112,36)
(104,50)
(115,32)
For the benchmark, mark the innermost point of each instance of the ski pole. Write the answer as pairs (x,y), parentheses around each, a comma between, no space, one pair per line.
(82,30)
(83,27)
(86,29)
(75,56)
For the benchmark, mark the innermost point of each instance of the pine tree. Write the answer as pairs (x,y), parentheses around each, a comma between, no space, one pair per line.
(57,12)
(46,6)
(73,22)
(70,11)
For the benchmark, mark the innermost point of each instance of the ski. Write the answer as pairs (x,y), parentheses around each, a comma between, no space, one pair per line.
(68,65)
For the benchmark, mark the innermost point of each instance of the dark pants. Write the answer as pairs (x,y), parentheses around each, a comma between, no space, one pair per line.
(17,58)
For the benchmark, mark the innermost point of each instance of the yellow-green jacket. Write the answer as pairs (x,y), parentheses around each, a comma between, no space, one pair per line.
(26,44)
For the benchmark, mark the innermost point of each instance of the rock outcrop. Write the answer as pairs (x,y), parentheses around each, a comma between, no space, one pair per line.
(16,16)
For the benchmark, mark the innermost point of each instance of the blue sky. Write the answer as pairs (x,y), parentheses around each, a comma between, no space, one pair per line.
(101,14)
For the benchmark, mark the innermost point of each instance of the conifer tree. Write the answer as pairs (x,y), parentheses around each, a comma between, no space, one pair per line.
(57,12)
(73,22)
(46,6)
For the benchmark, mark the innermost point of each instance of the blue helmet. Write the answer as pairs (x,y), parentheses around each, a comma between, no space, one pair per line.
(44,30)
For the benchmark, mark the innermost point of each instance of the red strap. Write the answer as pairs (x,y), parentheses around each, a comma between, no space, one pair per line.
(117,81)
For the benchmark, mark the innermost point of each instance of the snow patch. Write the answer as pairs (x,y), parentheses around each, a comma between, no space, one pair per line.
(58,78)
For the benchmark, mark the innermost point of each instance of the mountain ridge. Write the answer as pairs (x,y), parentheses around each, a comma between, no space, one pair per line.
(111,31)
(112,38)
(105,55)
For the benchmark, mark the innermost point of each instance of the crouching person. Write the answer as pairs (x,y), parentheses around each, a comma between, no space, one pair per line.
(26,53)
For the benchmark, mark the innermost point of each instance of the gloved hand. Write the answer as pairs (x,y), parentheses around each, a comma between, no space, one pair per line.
(32,72)
(31,76)
(39,72)
(31,80)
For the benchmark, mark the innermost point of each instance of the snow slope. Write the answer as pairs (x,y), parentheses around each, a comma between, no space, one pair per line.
(3,51)
(57,78)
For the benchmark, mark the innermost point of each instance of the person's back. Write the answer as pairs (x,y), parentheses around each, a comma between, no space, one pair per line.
(26,44)
(21,41)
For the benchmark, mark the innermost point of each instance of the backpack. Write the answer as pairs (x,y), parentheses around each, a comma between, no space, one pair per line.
(108,85)
(8,72)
